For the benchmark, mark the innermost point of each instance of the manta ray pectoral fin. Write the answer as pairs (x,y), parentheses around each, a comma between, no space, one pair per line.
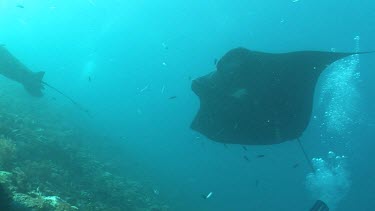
(34,84)
(15,70)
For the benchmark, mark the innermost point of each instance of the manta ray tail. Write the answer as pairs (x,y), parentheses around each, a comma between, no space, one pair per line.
(66,96)
(34,84)
(306,156)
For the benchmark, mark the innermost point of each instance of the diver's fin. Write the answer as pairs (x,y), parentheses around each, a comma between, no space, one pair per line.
(319,206)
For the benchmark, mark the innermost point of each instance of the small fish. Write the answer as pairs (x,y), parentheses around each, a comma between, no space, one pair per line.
(172,97)
(207,196)
(20,6)
(246,158)
(144,88)
(226,146)
(260,156)
(296,165)
(92,2)
(244,147)
(256,183)
(165,46)
(215,61)
(189,78)
(89,78)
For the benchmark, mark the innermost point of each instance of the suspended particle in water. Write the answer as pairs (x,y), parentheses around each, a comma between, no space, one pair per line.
(165,46)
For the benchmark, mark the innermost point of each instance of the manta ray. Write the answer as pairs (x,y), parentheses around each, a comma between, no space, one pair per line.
(258,98)
(13,69)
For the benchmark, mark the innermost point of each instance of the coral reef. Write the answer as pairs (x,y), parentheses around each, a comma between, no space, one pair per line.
(46,162)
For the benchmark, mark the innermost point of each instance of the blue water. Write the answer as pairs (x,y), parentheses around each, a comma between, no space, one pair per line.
(124,59)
